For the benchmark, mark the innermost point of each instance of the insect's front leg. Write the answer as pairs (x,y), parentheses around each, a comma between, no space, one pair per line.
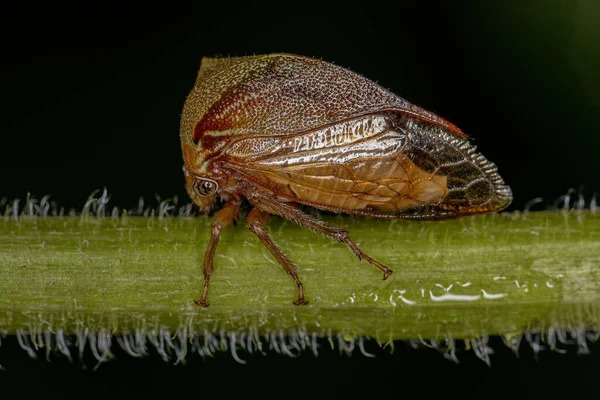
(223,217)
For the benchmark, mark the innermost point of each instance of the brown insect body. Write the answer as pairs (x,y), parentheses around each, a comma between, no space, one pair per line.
(282,130)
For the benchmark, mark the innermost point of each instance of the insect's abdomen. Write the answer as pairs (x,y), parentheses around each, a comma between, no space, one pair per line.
(387,185)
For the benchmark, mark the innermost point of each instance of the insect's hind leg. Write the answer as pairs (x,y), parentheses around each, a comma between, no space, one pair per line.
(294,214)
(343,236)
(257,219)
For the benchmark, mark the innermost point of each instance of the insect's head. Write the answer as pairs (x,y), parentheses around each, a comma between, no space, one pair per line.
(202,190)
(201,186)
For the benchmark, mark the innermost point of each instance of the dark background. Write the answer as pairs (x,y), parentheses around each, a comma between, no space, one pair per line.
(91,97)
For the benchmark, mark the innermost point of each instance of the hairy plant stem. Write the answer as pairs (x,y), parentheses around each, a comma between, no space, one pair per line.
(502,274)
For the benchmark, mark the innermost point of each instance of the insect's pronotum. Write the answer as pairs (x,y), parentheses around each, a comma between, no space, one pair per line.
(282,130)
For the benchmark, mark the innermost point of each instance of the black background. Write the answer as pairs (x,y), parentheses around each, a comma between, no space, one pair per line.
(91,97)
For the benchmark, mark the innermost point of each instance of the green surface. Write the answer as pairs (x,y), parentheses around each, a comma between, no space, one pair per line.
(502,274)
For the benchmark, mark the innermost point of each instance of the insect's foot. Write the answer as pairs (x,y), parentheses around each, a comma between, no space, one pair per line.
(387,273)
(202,303)
(301,302)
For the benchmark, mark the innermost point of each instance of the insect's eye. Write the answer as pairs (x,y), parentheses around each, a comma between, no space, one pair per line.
(204,187)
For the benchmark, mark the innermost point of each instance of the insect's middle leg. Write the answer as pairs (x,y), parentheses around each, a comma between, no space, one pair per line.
(256,222)
(294,214)
(223,217)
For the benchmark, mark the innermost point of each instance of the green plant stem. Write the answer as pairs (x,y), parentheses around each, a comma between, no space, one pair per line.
(493,274)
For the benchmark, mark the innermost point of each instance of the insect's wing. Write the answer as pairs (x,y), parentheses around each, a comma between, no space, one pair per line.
(387,165)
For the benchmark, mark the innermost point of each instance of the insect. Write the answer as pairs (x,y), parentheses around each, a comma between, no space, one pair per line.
(284,130)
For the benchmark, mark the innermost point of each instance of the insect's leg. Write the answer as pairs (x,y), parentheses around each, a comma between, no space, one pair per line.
(294,214)
(223,217)
(256,222)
